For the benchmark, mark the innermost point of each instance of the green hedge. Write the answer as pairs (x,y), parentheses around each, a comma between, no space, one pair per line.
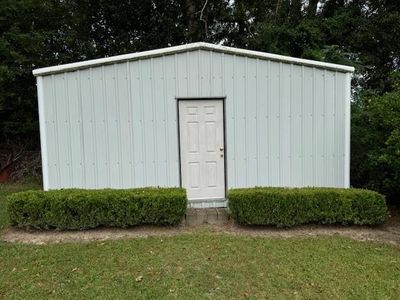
(285,207)
(82,209)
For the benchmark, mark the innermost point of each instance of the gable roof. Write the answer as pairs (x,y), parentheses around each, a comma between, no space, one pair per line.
(190,47)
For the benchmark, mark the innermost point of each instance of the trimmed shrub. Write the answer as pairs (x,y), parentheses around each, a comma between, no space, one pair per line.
(83,209)
(285,207)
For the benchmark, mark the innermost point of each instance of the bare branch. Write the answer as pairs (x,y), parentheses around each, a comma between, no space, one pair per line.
(201,17)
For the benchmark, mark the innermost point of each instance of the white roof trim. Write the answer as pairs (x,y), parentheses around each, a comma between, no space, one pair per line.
(189,47)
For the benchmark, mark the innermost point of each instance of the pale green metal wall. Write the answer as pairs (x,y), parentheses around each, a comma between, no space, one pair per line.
(116,125)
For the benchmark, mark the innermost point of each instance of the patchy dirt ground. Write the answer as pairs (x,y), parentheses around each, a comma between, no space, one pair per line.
(99,234)
(388,233)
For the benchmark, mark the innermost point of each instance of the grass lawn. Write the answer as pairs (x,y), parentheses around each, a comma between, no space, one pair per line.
(202,264)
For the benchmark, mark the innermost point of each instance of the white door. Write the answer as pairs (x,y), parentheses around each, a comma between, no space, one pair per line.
(201,129)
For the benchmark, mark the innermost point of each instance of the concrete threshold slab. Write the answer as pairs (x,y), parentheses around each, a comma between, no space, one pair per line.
(200,216)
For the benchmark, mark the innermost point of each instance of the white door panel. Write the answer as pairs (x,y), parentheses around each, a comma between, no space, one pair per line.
(202,148)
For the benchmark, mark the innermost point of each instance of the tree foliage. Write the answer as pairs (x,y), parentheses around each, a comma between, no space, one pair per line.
(376,140)
(363,33)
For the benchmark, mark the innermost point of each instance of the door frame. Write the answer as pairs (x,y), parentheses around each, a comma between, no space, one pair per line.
(221,98)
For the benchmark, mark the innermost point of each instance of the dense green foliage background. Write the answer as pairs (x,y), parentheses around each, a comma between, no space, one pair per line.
(362,33)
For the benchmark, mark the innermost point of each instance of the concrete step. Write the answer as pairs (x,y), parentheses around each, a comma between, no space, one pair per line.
(200,216)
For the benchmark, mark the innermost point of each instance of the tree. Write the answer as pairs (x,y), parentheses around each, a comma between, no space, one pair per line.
(362,33)
(21,49)
(375,162)
(50,32)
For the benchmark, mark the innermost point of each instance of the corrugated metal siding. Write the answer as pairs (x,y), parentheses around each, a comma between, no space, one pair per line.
(116,125)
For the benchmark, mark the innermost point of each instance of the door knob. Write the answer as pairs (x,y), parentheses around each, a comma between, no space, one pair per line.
(221,149)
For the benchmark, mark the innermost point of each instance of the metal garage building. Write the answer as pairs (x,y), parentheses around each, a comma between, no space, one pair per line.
(202,116)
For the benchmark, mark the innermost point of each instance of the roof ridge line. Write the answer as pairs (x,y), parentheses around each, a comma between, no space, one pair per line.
(183,48)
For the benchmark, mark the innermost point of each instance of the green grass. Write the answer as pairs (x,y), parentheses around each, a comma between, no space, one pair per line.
(201,264)
(9,188)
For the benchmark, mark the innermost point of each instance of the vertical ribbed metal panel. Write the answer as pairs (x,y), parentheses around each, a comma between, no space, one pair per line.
(116,125)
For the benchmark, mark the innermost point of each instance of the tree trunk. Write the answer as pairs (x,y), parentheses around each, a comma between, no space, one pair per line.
(295,10)
(191,19)
(312,8)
